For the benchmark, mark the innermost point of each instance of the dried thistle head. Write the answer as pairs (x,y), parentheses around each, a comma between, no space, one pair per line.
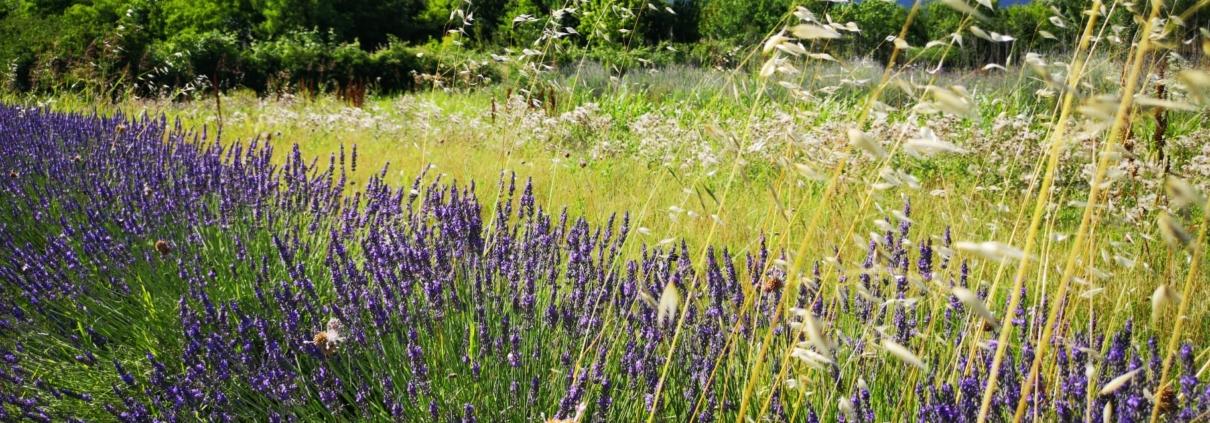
(335,325)
(1166,400)
(772,284)
(329,339)
(326,345)
(162,247)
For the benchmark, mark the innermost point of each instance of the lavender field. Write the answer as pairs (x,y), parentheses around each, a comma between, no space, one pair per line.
(793,237)
(152,274)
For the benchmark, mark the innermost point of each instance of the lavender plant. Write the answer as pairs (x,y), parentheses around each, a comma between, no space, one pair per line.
(153,273)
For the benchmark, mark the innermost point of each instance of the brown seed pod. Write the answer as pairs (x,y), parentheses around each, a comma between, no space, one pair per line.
(162,247)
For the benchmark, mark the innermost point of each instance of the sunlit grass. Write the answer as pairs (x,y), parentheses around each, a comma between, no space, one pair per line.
(753,160)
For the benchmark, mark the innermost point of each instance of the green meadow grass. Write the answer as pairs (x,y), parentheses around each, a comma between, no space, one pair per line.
(457,133)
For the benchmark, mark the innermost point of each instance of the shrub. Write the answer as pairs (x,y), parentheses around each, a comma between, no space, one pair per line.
(446,65)
(394,65)
(511,31)
(307,60)
(19,74)
(192,61)
(349,64)
(743,21)
(711,53)
(877,20)
(293,60)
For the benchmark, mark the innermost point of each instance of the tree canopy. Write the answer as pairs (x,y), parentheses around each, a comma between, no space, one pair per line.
(167,43)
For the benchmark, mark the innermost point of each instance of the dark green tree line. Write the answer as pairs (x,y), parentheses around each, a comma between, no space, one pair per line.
(159,45)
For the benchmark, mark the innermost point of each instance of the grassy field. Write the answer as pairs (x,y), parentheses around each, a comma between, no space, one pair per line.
(823,244)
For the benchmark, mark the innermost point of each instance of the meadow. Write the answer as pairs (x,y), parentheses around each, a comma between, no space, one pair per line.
(794,238)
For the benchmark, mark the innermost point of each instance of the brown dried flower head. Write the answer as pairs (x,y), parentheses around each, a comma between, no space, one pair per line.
(328,340)
(325,344)
(1166,400)
(772,284)
(162,247)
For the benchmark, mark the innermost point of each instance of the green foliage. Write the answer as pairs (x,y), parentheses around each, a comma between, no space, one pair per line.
(210,57)
(479,19)
(192,16)
(744,21)
(611,22)
(679,25)
(307,60)
(114,45)
(395,64)
(615,57)
(22,37)
(934,55)
(941,20)
(712,53)
(1024,22)
(707,53)
(370,22)
(877,19)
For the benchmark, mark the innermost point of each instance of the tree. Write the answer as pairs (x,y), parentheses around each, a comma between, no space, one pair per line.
(744,21)
(368,21)
(679,25)
(877,19)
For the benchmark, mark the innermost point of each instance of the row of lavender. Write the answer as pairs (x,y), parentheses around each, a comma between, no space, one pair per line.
(150,274)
